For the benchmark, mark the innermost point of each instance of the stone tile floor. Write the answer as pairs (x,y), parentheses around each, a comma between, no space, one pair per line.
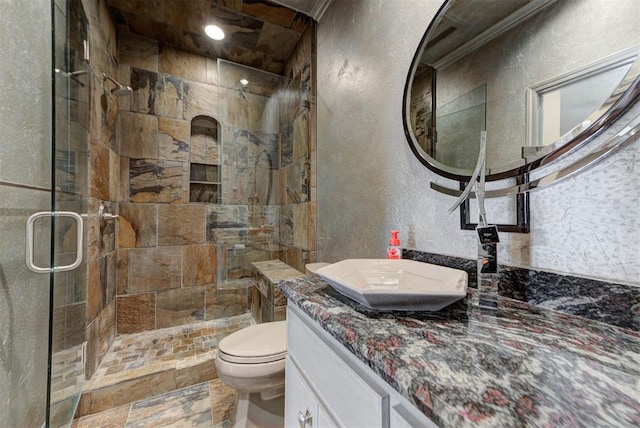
(207,404)
(132,351)
(203,404)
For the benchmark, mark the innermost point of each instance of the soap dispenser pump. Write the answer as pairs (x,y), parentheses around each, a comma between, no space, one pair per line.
(393,250)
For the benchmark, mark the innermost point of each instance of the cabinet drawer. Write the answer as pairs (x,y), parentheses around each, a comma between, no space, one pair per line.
(299,399)
(345,390)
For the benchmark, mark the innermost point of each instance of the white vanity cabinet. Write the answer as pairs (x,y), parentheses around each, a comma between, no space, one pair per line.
(327,386)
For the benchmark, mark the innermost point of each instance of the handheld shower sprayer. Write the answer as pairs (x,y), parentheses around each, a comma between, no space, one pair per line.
(120,89)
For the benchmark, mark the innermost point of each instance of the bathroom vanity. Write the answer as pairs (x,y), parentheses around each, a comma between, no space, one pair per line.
(324,379)
(516,365)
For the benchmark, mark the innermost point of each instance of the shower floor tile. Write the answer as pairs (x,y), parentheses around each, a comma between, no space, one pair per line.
(208,404)
(150,365)
(133,351)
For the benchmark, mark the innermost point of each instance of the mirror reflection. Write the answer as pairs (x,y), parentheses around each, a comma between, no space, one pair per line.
(533,73)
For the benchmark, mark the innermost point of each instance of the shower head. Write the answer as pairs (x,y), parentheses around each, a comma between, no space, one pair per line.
(120,89)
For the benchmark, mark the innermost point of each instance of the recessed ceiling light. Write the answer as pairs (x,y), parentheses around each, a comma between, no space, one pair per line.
(214,32)
(244,82)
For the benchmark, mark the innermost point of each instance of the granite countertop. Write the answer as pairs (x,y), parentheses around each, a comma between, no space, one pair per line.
(517,365)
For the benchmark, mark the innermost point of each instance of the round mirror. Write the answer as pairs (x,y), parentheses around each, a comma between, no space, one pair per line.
(540,77)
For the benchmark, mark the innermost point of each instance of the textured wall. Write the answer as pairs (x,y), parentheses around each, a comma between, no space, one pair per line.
(370,182)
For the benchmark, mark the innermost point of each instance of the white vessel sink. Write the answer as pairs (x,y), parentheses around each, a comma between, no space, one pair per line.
(401,285)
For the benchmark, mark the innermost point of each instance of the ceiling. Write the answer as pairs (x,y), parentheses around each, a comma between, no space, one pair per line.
(259,33)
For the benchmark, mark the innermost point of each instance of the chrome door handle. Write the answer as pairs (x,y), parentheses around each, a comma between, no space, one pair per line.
(30,237)
(304,418)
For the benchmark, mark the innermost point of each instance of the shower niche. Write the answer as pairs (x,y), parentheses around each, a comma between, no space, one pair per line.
(205,185)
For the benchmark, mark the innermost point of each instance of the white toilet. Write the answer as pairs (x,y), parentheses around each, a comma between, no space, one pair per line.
(252,360)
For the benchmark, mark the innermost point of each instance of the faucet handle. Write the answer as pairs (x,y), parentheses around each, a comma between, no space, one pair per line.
(488,234)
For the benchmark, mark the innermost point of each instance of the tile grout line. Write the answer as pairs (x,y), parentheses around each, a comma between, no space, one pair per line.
(213,416)
(128,415)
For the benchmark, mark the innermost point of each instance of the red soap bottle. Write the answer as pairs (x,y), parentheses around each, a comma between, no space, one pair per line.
(393,250)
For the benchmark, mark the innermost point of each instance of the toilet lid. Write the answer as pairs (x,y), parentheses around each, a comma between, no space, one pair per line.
(260,343)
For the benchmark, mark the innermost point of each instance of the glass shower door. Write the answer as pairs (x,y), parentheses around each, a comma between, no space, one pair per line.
(70,166)
(41,311)
(25,188)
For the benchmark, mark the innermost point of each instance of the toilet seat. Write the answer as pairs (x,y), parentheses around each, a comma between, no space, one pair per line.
(258,344)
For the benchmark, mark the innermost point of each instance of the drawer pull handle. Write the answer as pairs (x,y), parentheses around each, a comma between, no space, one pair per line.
(304,418)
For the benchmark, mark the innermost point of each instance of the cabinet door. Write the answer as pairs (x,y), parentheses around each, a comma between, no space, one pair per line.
(300,407)
(324,420)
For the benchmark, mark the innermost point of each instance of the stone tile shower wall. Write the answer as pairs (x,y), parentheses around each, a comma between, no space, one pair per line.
(179,261)
(103,170)
(297,174)
(166,265)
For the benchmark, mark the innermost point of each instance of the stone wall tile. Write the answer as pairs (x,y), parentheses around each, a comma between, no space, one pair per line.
(200,99)
(106,323)
(212,71)
(100,240)
(169,98)
(180,306)
(155,180)
(138,51)
(186,180)
(122,285)
(199,263)
(301,135)
(126,233)
(114,176)
(75,328)
(92,360)
(301,226)
(99,171)
(254,301)
(204,143)
(154,269)
(225,302)
(96,289)
(223,216)
(181,224)
(255,113)
(238,183)
(280,313)
(138,225)
(138,135)
(136,389)
(196,374)
(136,313)
(173,139)
(111,276)
(123,182)
(124,77)
(58,326)
(183,64)
(95,108)
(145,88)
(109,117)
(312,229)
(286,224)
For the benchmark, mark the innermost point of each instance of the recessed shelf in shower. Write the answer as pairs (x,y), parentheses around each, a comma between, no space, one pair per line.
(204,183)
